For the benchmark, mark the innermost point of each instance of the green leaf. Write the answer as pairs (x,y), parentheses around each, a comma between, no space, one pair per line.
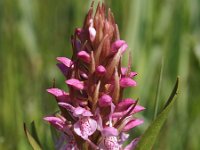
(149,137)
(34,132)
(31,140)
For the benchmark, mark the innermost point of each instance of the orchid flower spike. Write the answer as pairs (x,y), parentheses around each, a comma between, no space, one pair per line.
(94,114)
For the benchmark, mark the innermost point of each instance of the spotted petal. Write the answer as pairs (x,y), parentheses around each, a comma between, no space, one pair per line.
(85,127)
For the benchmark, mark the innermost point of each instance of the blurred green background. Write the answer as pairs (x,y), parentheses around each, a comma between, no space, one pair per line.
(159,33)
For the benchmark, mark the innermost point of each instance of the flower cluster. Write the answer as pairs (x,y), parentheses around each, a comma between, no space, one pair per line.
(94,114)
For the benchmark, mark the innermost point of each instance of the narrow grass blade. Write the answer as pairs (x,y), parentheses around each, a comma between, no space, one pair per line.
(35,145)
(158,92)
(34,132)
(148,139)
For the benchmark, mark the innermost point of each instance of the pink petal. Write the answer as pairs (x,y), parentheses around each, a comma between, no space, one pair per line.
(64,60)
(131,124)
(105,100)
(79,85)
(124,104)
(67,106)
(83,55)
(132,145)
(101,70)
(110,131)
(87,113)
(60,95)
(85,127)
(124,71)
(79,112)
(99,120)
(119,44)
(120,114)
(64,69)
(123,137)
(127,82)
(137,109)
(55,121)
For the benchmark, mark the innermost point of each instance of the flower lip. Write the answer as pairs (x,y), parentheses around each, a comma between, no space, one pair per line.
(85,127)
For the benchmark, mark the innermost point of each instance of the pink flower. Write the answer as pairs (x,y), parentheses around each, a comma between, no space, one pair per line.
(109,141)
(85,126)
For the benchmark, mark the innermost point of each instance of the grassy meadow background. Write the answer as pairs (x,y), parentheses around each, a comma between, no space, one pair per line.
(164,41)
